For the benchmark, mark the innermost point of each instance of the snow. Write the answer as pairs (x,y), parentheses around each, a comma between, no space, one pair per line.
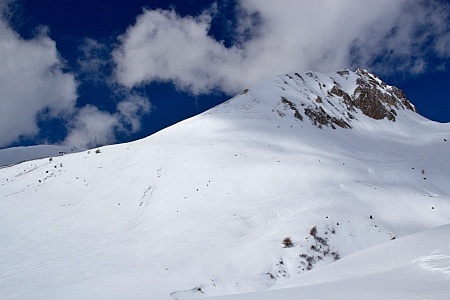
(413,267)
(202,207)
(15,155)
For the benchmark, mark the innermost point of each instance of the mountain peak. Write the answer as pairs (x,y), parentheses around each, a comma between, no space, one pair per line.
(334,99)
(344,94)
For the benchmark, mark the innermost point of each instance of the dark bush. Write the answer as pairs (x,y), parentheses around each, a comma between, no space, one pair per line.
(287,242)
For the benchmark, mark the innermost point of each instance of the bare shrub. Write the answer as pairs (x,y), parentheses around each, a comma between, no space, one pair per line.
(287,242)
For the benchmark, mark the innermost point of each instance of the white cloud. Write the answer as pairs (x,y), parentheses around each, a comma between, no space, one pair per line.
(438,18)
(33,84)
(31,81)
(162,46)
(289,35)
(417,30)
(93,60)
(131,110)
(91,127)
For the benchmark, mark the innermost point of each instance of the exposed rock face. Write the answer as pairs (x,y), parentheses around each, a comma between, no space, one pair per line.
(319,117)
(376,100)
(334,100)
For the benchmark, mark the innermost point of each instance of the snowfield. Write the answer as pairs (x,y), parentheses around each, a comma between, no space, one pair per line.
(201,208)
(413,267)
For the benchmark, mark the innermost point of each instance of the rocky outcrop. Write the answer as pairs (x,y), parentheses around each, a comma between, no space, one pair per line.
(334,100)
(319,117)
(373,102)
(376,100)
(373,97)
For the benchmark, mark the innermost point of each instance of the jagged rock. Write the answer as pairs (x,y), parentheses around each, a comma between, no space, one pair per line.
(376,100)
(337,104)
(319,117)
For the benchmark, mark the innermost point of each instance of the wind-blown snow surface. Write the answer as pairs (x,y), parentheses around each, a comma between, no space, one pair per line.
(413,267)
(202,207)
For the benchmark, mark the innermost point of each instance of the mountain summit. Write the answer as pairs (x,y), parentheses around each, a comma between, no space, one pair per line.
(334,100)
(267,190)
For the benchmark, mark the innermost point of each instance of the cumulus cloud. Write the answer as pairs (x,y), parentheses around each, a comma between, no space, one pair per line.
(33,85)
(417,30)
(91,127)
(93,61)
(131,110)
(279,36)
(163,46)
(31,81)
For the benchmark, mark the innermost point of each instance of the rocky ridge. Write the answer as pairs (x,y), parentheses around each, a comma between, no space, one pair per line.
(334,100)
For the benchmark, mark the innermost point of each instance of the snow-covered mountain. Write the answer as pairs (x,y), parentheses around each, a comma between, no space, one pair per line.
(338,163)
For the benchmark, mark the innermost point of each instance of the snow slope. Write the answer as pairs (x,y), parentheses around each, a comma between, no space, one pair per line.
(202,207)
(413,267)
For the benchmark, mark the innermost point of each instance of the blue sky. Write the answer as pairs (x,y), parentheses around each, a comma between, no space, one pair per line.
(87,73)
